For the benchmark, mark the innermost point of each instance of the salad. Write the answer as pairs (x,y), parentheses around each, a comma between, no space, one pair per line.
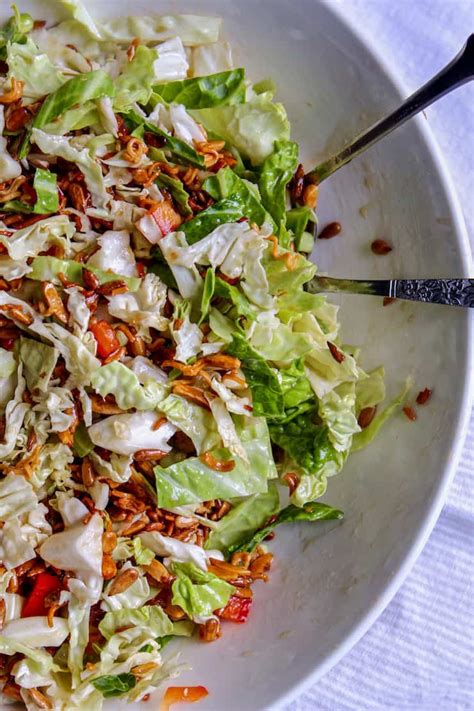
(169,393)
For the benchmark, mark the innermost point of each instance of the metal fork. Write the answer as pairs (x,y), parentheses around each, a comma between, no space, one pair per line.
(453,292)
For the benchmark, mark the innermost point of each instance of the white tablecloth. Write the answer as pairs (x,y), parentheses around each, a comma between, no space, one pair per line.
(419,655)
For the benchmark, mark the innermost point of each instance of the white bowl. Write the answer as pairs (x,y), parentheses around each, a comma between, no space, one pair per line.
(329,583)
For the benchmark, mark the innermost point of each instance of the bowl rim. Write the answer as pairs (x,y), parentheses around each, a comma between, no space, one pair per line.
(427,525)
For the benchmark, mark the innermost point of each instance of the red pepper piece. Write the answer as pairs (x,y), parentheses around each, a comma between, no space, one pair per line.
(45,583)
(107,341)
(236,610)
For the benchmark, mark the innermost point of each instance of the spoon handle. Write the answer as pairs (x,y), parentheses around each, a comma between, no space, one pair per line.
(459,71)
(453,292)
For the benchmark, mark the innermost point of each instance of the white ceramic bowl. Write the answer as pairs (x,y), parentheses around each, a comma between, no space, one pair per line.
(330,583)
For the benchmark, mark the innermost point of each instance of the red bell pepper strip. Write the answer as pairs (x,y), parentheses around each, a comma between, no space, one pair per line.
(182,694)
(45,583)
(236,610)
(104,334)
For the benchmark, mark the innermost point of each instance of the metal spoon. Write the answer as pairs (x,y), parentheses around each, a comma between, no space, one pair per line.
(459,71)
(453,292)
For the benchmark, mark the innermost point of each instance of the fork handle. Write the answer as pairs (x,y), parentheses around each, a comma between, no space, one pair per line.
(453,292)
(459,71)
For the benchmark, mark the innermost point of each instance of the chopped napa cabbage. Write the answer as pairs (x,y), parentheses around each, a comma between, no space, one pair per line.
(78,548)
(211,58)
(245,517)
(172,63)
(127,434)
(151,617)
(64,148)
(196,422)
(15,412)
(8,369)
(199,593)
(118,380)
(252,127)
(192,29)
(28,241)
(134,83)
(192,481)
(177,551)
(127,548)
(39,361)
(115,254)
(80,14)
(143,308)
(14,548)
(28,64)
(48,268)
(78,90)
(134,597)
(36,632)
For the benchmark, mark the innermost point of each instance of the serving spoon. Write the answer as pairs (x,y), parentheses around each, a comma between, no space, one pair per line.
(453,292)
(459,71)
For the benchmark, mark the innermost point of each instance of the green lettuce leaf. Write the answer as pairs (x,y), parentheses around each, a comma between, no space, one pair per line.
(179,148)
(232,293)
(191,481)
(207,293)
(252,127)
(118,380)
(46,188)
(281,279)
(277,170)
(297,221)
(226,184)
(267,395)
(296,388)
(74,119)
(222,212)
(134,83)
(219,89)
(362,439)
(48,268)
(78,90)
(197,592)
(306,442)
(111,685)
(83,444)
(245,517)
(312,511)
(177,191)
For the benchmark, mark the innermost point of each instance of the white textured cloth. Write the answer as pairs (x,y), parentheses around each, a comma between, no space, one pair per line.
(419,655)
